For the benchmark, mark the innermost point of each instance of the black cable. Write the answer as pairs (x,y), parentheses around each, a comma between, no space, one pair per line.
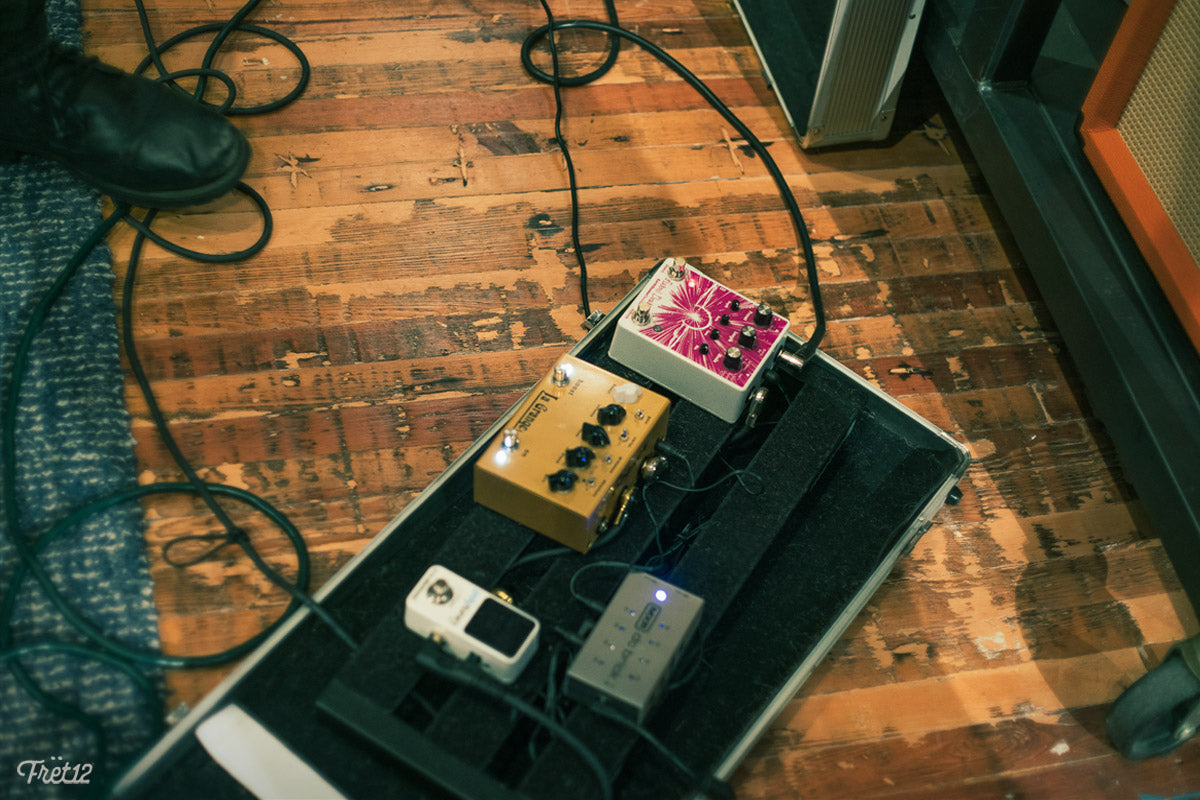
(27,553)
(538,555)
(709,785)
(87,628)
(205,71)
(596,605)
(107,650)
(466,675)
(613,49)
(738,474)
(572,183)
(615,32)
(550,704)
(234,533)
(670,451)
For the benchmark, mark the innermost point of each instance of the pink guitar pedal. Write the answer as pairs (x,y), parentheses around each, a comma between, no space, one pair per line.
(699,339)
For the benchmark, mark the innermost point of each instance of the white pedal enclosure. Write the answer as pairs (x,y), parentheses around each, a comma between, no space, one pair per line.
(699,339)
(468,621)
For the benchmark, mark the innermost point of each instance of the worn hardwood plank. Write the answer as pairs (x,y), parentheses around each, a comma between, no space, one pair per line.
(1055,757)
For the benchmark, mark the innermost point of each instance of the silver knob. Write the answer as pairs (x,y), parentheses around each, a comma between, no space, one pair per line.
(641,314)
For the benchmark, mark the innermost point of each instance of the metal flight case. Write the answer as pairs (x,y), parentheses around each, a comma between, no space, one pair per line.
(797,523)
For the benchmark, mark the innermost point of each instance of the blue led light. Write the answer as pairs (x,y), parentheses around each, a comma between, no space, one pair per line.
(660,595)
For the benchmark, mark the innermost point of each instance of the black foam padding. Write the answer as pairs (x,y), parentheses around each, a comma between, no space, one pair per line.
(750,517)
(845,475)
(414,749)
(459,726)
(551,778)
(478,548)
(810,432)
(833,550)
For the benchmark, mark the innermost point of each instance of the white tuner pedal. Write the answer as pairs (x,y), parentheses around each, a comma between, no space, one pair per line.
(469,621)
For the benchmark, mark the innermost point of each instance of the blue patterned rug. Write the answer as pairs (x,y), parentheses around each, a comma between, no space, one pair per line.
(74,446)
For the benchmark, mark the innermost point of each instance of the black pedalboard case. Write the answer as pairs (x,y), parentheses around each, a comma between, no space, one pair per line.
(778,534)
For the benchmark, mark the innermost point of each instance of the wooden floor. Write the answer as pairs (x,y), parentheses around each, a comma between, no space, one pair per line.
(420,278)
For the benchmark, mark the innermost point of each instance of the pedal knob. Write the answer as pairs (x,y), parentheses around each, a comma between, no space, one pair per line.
(562,481)
(594,435)
(641,316)
(674,269)
(561,376)
(763,315)
(579,456)
(611,414)
(733,359)
(511,440)
(748,337)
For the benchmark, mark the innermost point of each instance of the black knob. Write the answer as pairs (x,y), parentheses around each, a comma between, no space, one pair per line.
(704,349)
(562,481)
(724,319)
(733,359)
(579,456)
(611,414)
(748,337)
(714,334)
(594,435)
(763,315)
(735,305)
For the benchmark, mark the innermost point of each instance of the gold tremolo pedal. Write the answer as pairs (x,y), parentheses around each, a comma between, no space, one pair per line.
(568,459)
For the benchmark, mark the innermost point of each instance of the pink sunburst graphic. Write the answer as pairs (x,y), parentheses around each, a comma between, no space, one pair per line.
(700,320)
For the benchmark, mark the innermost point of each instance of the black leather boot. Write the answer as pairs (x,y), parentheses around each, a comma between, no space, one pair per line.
(132,138)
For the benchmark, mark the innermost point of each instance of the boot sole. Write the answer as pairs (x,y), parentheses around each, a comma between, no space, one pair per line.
(176,198)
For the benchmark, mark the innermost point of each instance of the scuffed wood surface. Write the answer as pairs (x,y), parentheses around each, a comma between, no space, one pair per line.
(420,279)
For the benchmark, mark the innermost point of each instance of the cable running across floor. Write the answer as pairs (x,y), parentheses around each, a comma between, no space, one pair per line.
(100,647)
(615,34)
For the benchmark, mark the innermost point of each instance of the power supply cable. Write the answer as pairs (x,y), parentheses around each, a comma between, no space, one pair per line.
(708,785)
(465,674)
(616,33)
(596,605)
